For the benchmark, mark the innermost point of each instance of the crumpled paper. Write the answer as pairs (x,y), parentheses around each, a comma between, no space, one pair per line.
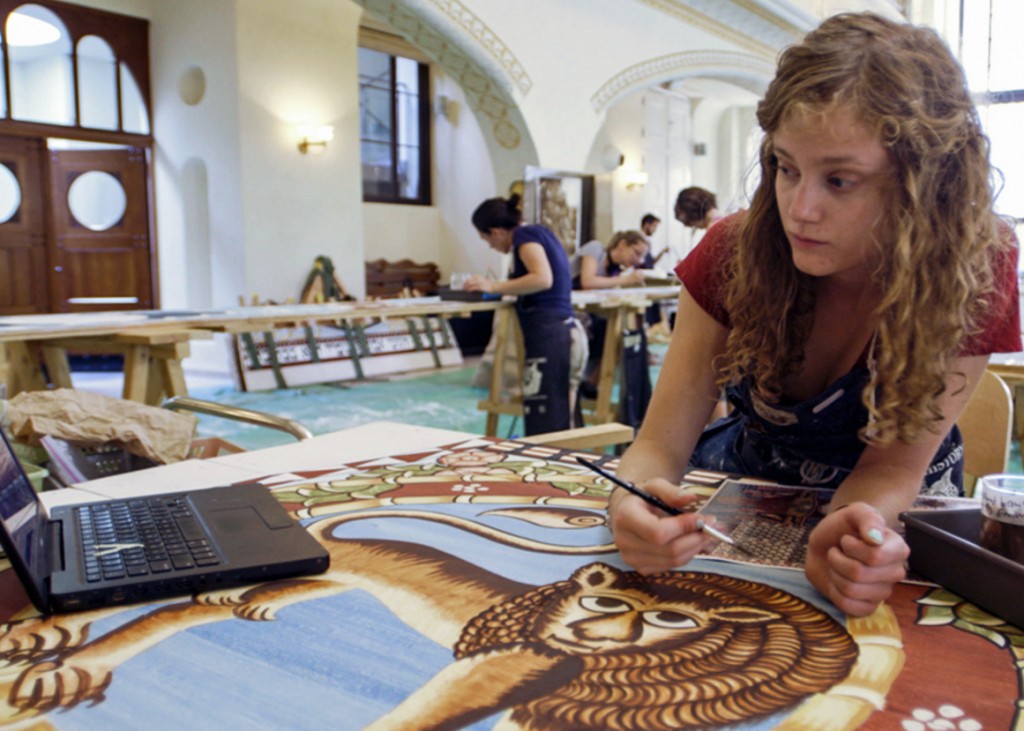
(91,419)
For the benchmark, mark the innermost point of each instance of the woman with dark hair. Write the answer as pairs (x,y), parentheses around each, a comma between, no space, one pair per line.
(542,283)
(849,313)
(696,207)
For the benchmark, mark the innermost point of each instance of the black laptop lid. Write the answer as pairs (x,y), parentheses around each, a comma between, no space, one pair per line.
(24,527)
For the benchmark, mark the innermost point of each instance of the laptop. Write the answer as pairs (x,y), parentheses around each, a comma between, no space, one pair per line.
(139,549)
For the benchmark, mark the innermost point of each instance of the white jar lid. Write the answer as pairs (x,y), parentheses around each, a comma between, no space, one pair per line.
(1002,498)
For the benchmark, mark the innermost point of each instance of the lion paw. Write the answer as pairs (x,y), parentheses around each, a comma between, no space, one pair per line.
(256,612)
(49,685)
(222,597)
(38,638)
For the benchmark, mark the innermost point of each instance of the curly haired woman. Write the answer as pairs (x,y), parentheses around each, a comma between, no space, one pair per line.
(849,312)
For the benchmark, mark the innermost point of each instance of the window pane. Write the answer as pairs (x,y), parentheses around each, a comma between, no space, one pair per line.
(974,48)
(374,68)
(408,119)
(1004,124)
(40,67)
(133,109)
(97,84)
(375,115)
(3,92)
(10,193)
(97,200)
(407,73)
(409,172)
(378,179)
(1007,71)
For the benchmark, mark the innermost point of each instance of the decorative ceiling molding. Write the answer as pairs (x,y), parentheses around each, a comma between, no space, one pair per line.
(488,40)
(726,65)
(741,22)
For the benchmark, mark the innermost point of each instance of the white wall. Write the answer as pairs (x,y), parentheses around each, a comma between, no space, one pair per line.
(197,162)
(296,62)
(463,177)
(241,212)
(390,229)
(624,133)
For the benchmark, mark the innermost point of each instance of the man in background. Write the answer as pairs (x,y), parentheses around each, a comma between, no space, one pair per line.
(648,225)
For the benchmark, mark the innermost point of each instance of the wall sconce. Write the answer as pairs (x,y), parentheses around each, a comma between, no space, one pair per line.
(448,108)
(636,180)
(313,140)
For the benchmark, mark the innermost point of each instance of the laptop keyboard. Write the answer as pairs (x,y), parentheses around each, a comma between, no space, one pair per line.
(142,536)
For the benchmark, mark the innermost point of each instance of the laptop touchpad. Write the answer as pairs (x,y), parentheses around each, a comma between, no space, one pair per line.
(249,517)
(236,520)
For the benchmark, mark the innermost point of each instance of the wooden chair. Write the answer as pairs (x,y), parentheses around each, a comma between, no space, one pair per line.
(986,425)
(401,278)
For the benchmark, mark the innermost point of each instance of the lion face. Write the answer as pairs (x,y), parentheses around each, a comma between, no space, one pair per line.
(604,617)
(698,649)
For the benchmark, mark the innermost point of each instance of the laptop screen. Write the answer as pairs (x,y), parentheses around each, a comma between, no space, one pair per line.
(24,525)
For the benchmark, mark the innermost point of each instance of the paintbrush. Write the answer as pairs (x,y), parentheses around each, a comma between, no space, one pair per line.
(661,504)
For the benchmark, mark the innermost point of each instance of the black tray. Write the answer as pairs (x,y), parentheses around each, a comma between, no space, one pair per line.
(944,546)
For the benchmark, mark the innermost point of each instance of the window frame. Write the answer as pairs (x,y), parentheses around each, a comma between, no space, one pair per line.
(128,38)
(989,97)
(424,196)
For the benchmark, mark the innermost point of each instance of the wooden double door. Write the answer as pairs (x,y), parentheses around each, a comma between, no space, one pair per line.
(75,229)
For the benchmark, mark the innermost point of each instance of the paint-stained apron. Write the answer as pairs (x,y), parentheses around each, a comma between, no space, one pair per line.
(810,443)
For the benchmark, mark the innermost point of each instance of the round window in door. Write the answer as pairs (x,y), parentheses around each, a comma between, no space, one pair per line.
(97,200)
(10,194)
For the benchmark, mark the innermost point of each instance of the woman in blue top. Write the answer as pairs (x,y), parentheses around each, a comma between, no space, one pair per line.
(542,282)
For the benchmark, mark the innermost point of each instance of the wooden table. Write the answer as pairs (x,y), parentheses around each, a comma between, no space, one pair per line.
(155,342)
(444,543)
(620,307)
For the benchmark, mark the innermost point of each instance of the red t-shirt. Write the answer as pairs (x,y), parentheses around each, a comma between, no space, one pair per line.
(703,274)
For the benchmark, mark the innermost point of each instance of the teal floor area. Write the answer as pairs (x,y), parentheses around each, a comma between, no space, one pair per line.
(442,398)
(445,399)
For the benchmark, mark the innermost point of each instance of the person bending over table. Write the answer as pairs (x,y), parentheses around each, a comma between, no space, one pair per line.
(542,281)
(604,266)
(849,312)
(617,264)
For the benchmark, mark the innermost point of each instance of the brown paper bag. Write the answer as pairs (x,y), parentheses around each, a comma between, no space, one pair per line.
(91,419)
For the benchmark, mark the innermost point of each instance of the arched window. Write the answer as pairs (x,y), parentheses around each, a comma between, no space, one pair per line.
(39,66)
(71,66)
(97,78)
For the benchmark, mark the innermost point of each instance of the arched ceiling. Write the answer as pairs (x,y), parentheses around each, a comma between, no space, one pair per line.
(496,77)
